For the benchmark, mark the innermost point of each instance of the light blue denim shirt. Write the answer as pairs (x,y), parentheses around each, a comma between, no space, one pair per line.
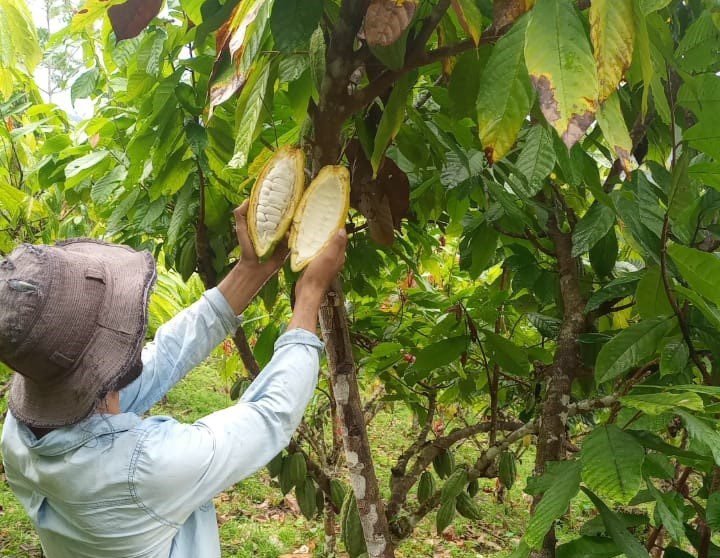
(120,486)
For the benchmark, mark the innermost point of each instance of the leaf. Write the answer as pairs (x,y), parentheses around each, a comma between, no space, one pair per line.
(612,463)
(631,347)
(129,19)
(711,313)
(699,269)
(537,159)
(670,520)
(651,298)
(391,120)
(674,358)
(440,353)
(292,23)
(594,225)
(555,501)
(658,403)
(649,6)
(589,547)
(604,255)
(506,94)
(249,110)
(507,354)
(80,167)
(619,288)
(712,511)
(102,190)
(702,432)
(317,58)
(612,123)
(386,21)
(470,18)
(562,68)
(465,83)
(547,326)
(612,32)
(84,85)
(614,525)
(19,44)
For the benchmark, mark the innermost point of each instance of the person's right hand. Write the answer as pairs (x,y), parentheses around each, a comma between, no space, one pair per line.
(320,273)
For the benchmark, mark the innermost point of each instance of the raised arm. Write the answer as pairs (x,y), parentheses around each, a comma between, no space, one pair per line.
(229,445)
(189,338)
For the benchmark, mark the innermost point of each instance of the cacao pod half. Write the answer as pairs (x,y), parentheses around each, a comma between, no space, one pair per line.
(274,198)
(321,213)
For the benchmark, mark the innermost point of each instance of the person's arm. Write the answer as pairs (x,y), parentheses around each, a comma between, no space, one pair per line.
(189,338)
(229,445)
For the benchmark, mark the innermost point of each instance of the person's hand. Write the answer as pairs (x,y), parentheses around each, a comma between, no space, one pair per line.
(262,271)
(316,280)
(325,267)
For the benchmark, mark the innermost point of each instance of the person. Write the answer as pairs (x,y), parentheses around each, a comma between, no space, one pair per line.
(96,479)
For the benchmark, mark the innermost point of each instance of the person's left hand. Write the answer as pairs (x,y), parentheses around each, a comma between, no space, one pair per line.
(260,270)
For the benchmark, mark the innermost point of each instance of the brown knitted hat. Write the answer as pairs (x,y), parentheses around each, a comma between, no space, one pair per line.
(73,319)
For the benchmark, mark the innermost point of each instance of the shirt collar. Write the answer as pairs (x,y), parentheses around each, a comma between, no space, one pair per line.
(68,438)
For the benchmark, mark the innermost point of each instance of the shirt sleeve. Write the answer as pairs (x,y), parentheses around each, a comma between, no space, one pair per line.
(179,346)
(225,447)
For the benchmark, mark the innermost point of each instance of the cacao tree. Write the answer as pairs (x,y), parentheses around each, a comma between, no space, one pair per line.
(534,229)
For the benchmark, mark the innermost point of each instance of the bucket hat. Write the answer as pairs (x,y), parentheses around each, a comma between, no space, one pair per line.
(73,319)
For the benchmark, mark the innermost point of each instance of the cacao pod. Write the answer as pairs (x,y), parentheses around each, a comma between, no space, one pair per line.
(454,485)
(507,470)
(473,488)
(352,533)
(275,466)
(426,487)
(445,515)
(467,507)
(274,198)
(386,20)
(306,497)
(444,464)
(321,213)
(337,493)
(298,468)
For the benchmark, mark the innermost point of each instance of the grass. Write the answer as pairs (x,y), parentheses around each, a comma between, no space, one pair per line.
(256,521)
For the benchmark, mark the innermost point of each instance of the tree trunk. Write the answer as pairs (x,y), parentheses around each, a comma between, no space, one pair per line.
(559,377)
(334,325)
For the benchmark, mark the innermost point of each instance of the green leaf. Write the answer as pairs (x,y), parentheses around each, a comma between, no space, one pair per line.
(632,347)
(604,255)
(562,489)
(537,159)
(464,83)
(506,94)
(712,511)
(589,547)
(19,44)
(84,85)
(471,18)
(619,288)
(711,313)
(562,68)
(616,133)
(652,300)
(674,358)
(702,432)
(391,120)
(670,520)
(660,403)
(699,269)
(103,189)
(317,58)
(440,354)
(506,354)
(612,31)
(293,22)
(612,463)
(264,346)
(83,167)
(249,111)
(614,525)
(649,6)
(594,225)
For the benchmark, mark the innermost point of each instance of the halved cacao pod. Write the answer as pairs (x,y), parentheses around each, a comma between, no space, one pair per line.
(321,213)
(274,198)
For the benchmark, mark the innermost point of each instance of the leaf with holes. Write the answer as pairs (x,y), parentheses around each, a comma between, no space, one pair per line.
(562,68)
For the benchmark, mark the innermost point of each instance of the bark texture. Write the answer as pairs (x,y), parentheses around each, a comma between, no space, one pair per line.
(334,325)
